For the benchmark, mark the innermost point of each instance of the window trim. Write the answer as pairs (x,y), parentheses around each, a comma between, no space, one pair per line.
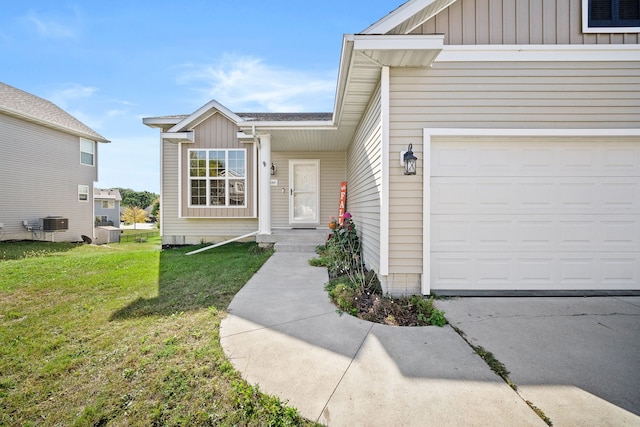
(82,187)
(92,153)
(208,180)
(587,29)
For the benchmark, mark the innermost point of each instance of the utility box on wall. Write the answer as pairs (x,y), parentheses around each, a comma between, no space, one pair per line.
(55,223)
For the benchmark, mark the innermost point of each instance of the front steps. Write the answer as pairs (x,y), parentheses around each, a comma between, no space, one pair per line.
(295,240)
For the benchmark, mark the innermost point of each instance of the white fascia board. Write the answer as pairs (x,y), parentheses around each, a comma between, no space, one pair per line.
(54,126)
(501,53)
(343,75)
(293,125)
(176,137)
(543,132)
(398,42)
(204,110)
(158,122)
(397,17)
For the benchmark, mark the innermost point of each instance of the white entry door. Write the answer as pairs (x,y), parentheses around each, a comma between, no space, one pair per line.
(304,195)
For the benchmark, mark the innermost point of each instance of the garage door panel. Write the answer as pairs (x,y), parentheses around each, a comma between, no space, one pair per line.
(534,271)
(534,213)
(518,157)
(544,195)
(486,233)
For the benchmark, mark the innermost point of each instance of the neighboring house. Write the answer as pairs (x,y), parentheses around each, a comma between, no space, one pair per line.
(48,164)
(524,117)
(107,206)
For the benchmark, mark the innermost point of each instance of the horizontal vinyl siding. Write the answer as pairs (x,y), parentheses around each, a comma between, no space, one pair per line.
(40,172)
(517,95)
(479,22)
(332,173)
(491,95)
(364,181)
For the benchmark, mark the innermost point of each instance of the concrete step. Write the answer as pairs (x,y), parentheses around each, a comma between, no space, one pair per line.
(296,247)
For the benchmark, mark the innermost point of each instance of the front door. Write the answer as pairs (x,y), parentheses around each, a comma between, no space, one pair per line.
(304,200)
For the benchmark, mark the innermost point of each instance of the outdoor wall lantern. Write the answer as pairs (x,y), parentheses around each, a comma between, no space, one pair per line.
(273,169)
(409,161)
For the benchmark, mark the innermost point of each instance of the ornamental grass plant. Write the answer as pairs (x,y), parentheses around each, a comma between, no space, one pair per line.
(357,291)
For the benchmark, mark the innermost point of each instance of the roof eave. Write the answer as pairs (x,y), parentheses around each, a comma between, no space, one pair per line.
(160,122)
(408,16)
(404,50)
(277,125)
(94,137)
(203,112)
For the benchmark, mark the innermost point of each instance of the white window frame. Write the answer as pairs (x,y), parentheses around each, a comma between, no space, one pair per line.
(83,150)
(208,179)
(587,29)
(108,204)
(83,190)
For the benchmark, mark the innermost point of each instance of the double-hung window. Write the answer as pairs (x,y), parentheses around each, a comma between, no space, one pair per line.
(87,152)
(83,193)
(218,178)
(611,16)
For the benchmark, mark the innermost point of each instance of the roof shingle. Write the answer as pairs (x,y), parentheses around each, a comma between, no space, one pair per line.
(16,102)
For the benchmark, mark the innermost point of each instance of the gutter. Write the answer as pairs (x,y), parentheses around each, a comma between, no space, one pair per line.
(206,248)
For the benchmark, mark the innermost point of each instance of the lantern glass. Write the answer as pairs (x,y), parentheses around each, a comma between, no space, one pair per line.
(410,166)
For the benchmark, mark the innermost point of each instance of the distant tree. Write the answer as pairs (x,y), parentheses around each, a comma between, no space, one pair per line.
(155,211)
(134,215)
(141,199)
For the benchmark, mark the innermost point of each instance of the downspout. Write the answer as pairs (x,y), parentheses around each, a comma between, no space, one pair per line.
(265,184)
(206,248)
(384,191)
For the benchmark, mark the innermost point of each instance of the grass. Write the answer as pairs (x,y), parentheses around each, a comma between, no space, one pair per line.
(501,370)
(124,334)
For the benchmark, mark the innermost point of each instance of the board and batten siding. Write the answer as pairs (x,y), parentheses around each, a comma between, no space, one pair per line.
(493,95)
(217,132)
(482,22)
(182,231)
(364,181)
(40,171)
(332,173)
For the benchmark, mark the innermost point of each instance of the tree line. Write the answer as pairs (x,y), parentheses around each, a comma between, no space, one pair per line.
(136,202)
(140,199)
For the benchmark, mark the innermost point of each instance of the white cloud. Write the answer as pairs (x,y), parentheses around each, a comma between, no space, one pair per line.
(51,28)
(72,92)
(249,84)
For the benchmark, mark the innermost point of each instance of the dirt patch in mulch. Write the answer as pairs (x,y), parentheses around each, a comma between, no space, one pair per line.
(386,310)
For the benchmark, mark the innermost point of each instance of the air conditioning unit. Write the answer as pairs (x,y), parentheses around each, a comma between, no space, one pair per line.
(55,223)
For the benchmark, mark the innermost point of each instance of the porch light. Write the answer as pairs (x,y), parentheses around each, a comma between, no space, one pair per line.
(273,169)
(409,161)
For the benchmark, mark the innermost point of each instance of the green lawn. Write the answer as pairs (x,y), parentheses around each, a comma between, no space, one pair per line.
(124,334)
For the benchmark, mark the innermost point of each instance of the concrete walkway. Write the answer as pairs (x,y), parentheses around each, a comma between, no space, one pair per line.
(283,334)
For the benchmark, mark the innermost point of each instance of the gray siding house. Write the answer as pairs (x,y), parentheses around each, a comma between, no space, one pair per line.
(107,207)
(524,117)
(48,164)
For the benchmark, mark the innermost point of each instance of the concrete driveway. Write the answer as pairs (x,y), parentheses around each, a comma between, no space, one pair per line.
(575,358)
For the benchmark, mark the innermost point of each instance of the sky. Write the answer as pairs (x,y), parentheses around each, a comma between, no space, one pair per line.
(111,63)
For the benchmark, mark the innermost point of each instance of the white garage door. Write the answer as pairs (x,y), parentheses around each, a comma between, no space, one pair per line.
(527,214)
